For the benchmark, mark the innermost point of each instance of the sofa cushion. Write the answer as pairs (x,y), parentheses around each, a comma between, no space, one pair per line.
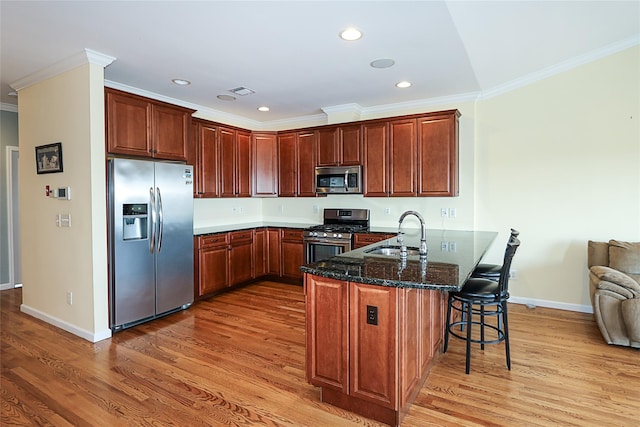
(598,253)
(625,257)
(631,315)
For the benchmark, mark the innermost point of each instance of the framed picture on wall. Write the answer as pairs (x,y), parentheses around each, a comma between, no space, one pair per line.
(49,158)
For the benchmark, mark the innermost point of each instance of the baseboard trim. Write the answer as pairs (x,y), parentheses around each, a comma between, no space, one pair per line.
(552,304)
(82,333)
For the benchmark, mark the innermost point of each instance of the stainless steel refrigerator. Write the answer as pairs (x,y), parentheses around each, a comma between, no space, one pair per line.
(150,240)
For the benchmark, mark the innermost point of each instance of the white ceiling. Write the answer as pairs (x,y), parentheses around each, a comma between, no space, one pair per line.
(289,52)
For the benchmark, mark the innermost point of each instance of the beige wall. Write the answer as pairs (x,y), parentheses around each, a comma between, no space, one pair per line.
(560,161)
(67,108)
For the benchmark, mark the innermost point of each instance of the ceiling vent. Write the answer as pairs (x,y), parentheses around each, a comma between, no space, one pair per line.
(242,91)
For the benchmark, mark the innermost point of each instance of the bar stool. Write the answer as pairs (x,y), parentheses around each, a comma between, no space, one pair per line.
(483,298)
(490,271)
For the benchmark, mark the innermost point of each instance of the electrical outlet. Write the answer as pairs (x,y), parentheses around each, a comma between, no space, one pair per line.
(444,212)
(234,210)
(513,274)
(453,247)
(69,297)
(387,211)
(240,210)
(444,246)
(372,315)
(452,213)
(281,209)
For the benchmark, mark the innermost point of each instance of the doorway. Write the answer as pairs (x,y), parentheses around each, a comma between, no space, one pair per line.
(13,219)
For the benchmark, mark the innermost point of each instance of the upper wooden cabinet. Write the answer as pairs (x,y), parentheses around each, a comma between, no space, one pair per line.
(307,142)
(205,139)
(235,162)
(339,145)
(287,165)
(296,164)
(264,148)
(412,156)
(402,158)
(138,126)
(438,154)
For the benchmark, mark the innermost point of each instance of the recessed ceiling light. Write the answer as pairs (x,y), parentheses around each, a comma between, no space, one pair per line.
(226,98)
(351,34)
(403,84)
(382,63)
(263,108)
(181,82)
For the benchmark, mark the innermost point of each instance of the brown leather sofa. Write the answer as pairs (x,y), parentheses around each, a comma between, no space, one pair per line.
(614,276)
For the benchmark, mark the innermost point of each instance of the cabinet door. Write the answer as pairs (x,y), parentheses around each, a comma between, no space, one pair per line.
(307,163)
(350,142)
(327,333)
(208,166)
(240,257)
(227,161)
(402,158)
(376,159)
(328,154)
(213,265)
(372,344)
(243,164)
(260,256)
(170,127)
(438,156)
(292,253)
(287,165)
(409,341)
(128,124)
(265,165)
(273,242)
(364,239)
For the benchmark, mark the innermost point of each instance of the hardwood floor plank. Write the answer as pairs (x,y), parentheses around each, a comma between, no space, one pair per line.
(238,359)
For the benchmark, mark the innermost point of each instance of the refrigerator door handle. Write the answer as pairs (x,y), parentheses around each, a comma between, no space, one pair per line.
(152,240)
(160,219)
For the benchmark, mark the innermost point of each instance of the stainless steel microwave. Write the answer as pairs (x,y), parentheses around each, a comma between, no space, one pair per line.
(339,179)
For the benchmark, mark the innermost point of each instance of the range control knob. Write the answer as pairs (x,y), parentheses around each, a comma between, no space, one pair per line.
(339,236)
(324,234)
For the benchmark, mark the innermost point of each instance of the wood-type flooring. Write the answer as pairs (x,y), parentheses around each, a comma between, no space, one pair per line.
(238,360)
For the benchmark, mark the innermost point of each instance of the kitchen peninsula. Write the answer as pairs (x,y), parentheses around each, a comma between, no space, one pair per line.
(375,322)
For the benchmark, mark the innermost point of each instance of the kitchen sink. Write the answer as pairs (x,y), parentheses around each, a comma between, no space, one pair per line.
(391,250)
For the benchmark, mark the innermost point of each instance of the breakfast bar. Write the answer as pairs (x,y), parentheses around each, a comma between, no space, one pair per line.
(375,320)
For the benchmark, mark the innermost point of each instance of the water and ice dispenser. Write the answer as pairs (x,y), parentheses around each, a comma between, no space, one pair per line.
(134,221)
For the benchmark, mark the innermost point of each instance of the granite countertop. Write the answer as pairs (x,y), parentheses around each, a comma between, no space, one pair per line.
(452,256)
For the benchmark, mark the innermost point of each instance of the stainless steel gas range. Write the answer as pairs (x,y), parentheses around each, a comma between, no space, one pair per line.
(335,235)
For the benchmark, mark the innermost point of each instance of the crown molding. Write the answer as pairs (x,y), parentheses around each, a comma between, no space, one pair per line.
(562,67)
(8,107)
(87,56)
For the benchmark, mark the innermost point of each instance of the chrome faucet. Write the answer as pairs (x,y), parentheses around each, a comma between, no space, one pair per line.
(423,235)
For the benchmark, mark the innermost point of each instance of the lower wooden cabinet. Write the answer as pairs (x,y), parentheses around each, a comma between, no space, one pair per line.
(213,264)
(364,239)
(370,347)
(240,257)
(292,253)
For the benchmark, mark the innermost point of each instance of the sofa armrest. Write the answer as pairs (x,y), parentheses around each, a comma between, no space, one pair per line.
(614,279)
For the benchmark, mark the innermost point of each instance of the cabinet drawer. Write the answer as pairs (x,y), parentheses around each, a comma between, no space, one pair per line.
(213,240)
(291,235)
(241,236)
(364,239)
